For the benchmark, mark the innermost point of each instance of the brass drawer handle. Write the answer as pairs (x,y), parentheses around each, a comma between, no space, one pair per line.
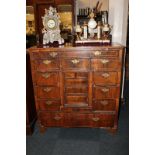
(104,61)
(95,119)
(105,90)
(46,62)
(53,54)
(75,61)
(46,75)
(48,102)
(47,89)
(57,118)
(104,102)
(105,75)
(97,53)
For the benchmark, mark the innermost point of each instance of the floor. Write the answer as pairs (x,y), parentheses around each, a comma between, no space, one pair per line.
(82,141)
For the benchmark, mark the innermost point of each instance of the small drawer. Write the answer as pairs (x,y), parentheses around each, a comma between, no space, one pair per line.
(105,105)
(48,119)
(76,82)
(107,53)
(76,75)
(105,64)
(110,78)
(70,90)
(103,120)
(45,55)
(75,54)
(78,120)
(101,93)
(74,99)
(47,78)
(53,105)
(82,64)
(48,92)
(47,65)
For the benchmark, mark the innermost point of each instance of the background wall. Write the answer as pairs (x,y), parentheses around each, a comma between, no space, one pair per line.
(118,15)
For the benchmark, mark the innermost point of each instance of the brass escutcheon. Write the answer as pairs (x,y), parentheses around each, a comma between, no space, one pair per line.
(75,61)
(95,119)
(46,62)
(46,75)
(53,54)
(104,61)
(47,89)
(97,53)
(105,75)
(105,90)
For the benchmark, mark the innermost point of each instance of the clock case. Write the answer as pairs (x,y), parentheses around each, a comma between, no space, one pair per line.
(51,34)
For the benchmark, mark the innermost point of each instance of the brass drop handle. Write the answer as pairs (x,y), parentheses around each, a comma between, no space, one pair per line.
(104,61)
(57,118)
(105,90)
(46,75)
(105,75)
(53,54)
(48,102)
(75,61)
(104,102)
(97,53)
(95,119)
(48,89)
(46,62)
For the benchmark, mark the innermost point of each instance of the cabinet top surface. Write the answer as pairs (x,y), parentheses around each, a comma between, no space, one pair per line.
(71,47)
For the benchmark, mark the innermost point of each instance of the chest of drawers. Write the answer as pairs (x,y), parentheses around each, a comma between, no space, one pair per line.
(77,86)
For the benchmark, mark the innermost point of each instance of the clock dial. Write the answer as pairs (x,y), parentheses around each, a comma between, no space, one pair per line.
(51,23)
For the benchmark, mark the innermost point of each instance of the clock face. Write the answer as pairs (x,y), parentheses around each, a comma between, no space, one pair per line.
(51,24)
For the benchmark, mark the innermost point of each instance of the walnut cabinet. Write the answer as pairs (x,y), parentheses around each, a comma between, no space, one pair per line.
(77,86)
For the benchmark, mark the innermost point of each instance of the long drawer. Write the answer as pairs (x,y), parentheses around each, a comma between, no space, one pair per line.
(76,119)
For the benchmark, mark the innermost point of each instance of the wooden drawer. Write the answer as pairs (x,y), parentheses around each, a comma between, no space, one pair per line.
(48,119)
(75,54)
(110,78)
(70,90)
(47,65)
(78,120)
(105,53)
(75,99)
(45,55)
(82,64)
(88,120)
(105,105)
(57,119)
(76,75)
(53,105)
(105,64)
(101,93)
(76,82)
(103,120)
(48,92)
(47,78)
